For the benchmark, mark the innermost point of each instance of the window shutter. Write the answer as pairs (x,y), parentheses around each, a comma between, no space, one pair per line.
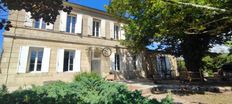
(112,30)
(123,61)
(78,25)
(103,28)
(168,65)
(63,20)
(23,58)
(90,25)
(112,61)
(77,61)
(28,21)
(122,37)
(139,62)
(60,60)
(46,59)
(50,26)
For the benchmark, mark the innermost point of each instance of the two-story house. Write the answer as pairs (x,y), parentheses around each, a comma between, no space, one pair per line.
(86,40)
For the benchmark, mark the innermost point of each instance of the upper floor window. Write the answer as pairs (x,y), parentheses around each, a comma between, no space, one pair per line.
(116,32)
(70,26)
(40,24)
(96,28)
(35,59)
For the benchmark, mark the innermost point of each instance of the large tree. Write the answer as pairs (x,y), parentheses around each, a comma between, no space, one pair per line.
(188,28)
(46,9)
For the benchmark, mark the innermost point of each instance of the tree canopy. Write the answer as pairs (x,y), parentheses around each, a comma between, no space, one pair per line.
(46,9)
(187,28)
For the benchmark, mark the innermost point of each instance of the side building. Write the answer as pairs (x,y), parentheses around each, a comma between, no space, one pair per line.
(37,53)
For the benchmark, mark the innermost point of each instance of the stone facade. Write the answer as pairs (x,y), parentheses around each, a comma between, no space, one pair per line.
(22,36)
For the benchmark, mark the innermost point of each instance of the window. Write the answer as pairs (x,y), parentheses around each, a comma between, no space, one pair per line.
(134,62)
(68,60)
(96,28)
(70,26)
(35,62)
(117,62)
(116,32)
(40,24)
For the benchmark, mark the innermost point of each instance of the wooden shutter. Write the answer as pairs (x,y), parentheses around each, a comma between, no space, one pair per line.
(23,59)
(60,60)
(139,62)
(112,30)
(28,21)
(167,62)
(77,61)
(78,25)
(122,32)
(112,61)
(46,59)
(103,28)
(63,20)
(90,26)
(122,61)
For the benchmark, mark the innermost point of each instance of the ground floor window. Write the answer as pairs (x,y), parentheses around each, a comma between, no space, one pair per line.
(35,59)
(117,62)
(68,60)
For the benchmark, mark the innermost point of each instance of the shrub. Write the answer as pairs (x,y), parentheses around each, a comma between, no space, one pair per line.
(212,63)
(86,89)
(90,76)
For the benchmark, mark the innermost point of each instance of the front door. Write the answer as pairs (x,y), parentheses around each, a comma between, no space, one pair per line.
(96,61)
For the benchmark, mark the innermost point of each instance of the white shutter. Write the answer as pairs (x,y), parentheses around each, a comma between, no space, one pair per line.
(46,59)
(103,28)
(168,65)
(50,26)
(77,61)
(78,25)
(63,20)
(112,30)
(90,25)
(28,21)
(112,61)
(139,62)
(23,57)
(122,37)
(60,60)
(122,61)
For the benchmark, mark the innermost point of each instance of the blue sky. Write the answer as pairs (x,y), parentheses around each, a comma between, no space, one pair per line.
(98,4)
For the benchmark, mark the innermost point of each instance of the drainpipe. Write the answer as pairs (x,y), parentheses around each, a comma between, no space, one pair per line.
(11,49)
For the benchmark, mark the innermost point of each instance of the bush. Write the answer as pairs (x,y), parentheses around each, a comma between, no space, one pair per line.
(211,63)
(86,89)
(90,76)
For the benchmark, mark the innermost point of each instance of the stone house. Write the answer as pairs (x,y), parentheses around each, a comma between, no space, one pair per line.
(36,53)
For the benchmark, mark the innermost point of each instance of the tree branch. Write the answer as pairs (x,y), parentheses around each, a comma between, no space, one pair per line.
(196,5)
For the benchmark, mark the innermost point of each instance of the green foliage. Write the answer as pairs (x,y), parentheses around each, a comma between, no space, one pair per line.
(212,63)
(3,90)
(181,65)
(85,75)
(187,27)
(87,89)
(46,9)
(167,100)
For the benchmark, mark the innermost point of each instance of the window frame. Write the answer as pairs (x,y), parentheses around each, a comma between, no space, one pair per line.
(37,49)
(96,33)
(69,60)
(41,24)
(116,36)
(117,62)
(72,26)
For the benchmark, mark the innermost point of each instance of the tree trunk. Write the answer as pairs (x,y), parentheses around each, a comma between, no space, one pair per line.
(194,48)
